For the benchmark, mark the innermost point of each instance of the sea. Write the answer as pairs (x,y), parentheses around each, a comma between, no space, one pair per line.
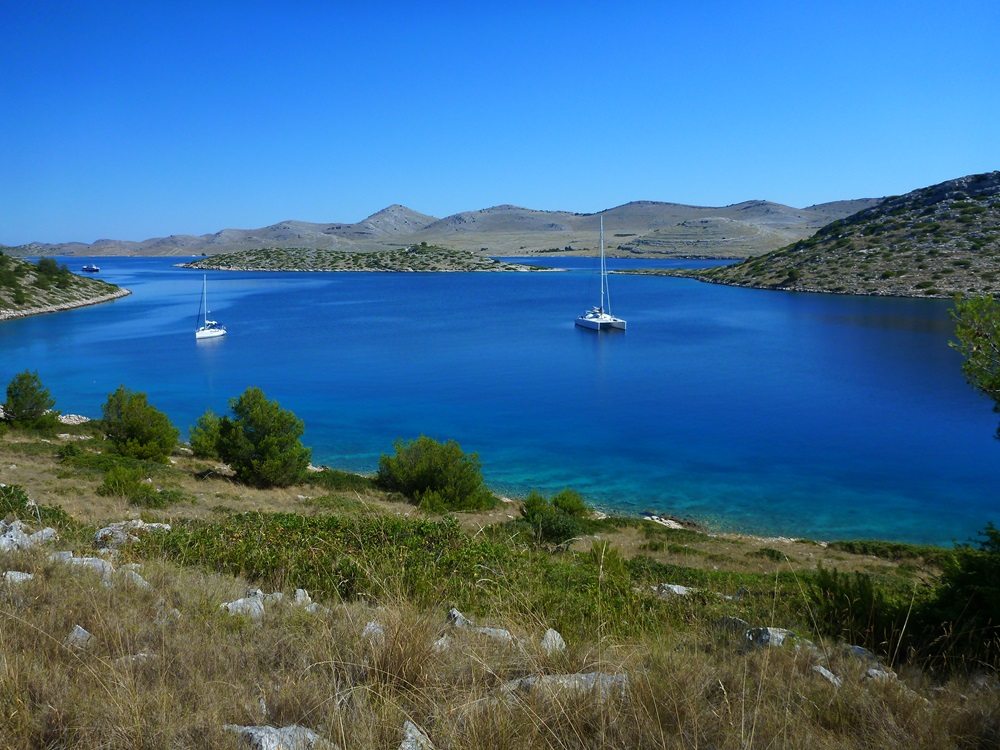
(772,413)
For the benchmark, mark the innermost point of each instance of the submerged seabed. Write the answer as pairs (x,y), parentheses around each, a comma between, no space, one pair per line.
(765,412)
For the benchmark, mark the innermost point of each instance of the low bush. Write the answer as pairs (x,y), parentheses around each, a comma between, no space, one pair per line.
(335,480)
(134,485)
(438,477)
(557,519)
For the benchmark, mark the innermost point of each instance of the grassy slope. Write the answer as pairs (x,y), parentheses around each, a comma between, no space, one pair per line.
(420,258)
(368,558)
(23,291)
(938,241)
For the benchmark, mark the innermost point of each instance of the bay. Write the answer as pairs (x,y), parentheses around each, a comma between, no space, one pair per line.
(821,416)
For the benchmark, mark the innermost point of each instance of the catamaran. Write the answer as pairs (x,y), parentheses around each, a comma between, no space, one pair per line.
(598,318)
(209,329)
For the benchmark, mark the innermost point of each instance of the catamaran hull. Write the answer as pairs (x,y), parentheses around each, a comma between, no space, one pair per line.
(601,325)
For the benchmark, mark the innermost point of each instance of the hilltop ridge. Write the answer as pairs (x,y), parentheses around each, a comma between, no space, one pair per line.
(635,229)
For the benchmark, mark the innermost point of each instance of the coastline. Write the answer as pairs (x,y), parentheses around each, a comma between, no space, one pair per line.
(12,314)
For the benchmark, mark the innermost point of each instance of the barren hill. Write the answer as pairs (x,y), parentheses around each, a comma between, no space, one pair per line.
(638,229)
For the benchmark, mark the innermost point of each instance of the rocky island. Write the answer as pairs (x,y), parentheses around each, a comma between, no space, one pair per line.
(422,258)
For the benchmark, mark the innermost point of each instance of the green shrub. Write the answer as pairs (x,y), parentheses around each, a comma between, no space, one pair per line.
(205,435)
(555,520)
(29,403)
(436,476)
(15,501)
(132,484)
(967,602)
(135,428)
(261,441)
(859,610)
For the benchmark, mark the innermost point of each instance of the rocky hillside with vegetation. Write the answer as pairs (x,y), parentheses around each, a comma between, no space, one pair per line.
(422,258)
(938,241)
(32,288)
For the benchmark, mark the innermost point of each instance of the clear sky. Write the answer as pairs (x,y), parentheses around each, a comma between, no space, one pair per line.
(139,119)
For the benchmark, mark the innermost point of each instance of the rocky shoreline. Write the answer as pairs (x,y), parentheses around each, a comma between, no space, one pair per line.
(11,314)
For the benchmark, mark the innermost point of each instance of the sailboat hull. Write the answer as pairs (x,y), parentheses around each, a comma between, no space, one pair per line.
(209,333)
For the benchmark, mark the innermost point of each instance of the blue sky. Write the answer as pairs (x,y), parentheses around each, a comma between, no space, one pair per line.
(131,120)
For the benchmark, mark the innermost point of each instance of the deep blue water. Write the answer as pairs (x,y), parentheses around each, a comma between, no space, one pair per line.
(809,415)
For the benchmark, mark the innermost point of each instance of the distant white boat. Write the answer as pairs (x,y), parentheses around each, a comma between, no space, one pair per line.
(600,318)
(90,268)
(209,329)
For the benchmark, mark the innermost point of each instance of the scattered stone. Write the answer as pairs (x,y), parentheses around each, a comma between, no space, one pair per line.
(78,638)
(284,738)
(135,579)
(125,532)
(764,637)
(14,576)
(601,683)
(165,616)
(552,642)
(62,556)
(302,598)
(673,589)
(441,644)
(374,633)
(413,738)
(827,675)
(860,652)
(732,624)
(497,634)
(72,419)
(250,606)
(880,674)
(457,619)
(13,537)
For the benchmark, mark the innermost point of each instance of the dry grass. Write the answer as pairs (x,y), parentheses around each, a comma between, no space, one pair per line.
(689,683)
(686,689)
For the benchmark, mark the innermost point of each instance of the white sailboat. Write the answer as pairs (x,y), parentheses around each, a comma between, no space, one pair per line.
(598,318)
(209,329)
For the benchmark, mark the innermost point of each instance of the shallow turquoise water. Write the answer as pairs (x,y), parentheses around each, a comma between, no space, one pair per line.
(798,414)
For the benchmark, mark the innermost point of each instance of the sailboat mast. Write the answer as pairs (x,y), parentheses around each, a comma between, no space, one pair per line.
(603,269)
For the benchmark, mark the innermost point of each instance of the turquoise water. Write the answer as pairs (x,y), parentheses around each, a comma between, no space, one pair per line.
(809,415)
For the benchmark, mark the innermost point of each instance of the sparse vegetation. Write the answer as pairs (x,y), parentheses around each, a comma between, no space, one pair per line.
(915,245)
(419,258)
(27,288)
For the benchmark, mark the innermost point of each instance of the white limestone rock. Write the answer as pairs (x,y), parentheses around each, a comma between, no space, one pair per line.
(78,638)
(12,577)
(283,738)
(827,675)
(605,685)
(552,642)
(414,738)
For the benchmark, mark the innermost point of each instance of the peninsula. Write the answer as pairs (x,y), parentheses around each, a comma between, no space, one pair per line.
(938,241)
(32,289)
